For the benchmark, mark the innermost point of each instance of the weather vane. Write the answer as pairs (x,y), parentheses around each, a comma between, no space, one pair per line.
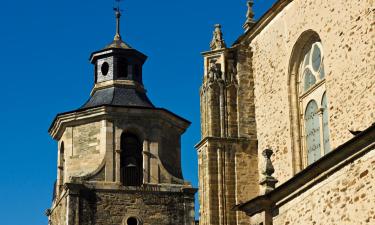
(117,8)
(118,11)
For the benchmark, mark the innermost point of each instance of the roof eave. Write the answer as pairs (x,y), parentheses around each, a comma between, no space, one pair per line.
(101,110)
(263,21)
(334,160)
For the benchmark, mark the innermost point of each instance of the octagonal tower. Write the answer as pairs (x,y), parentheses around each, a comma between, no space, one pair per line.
(119,156)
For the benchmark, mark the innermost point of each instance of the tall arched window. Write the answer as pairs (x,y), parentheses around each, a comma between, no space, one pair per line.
(313,103)
(131,164)
(61,164)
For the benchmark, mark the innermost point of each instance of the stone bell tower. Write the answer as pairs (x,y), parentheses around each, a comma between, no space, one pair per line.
(119,155)
(227,152)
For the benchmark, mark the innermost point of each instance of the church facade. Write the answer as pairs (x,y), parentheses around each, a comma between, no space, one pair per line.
(288,118)
(119,156)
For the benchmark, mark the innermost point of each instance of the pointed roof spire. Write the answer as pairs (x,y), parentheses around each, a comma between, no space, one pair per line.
(118,16)
(117,40)
(217,39)
(249,16)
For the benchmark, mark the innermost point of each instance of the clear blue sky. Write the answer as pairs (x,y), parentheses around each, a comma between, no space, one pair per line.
(44,50)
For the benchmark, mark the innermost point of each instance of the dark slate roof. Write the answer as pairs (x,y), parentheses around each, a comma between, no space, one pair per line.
(117,96)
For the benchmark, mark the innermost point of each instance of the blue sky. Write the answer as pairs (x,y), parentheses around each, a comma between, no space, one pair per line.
(44,50)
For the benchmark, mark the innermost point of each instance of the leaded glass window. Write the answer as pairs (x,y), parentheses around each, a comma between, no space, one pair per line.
(312,127)
(327,146)
(312,67)
(314,103)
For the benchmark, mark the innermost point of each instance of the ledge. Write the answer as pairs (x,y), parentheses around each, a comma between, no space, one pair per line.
(77,186)
(221,139)
(108,112)
(328,164)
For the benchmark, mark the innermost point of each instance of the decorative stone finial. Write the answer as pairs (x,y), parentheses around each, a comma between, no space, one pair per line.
(249,16)
(217,39)
(268,181)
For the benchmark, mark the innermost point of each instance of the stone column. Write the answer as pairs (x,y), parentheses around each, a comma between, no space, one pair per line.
(212,186)
(146,162)
(189,206)
(117,155)
(108,131)
(222,108)
(220,181)
(72,203)
(154,165)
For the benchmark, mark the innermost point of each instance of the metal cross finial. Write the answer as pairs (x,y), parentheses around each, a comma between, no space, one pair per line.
(118,16)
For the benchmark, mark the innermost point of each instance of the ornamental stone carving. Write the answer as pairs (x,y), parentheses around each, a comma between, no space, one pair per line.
(217,39)
(268,182)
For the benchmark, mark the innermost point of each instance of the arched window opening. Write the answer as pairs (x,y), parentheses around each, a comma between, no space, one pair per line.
(61,164)
(313,102)
(131,164)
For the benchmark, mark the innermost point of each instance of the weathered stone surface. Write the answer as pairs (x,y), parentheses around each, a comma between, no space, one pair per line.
(343,198)
(346,31)
(119,157)
(261,108)
(151,208)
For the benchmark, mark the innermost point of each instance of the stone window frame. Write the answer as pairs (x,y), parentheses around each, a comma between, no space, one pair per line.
(298,100)
(314,93)
(61,165)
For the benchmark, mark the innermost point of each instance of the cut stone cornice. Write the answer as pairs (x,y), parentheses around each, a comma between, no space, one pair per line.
(110,112)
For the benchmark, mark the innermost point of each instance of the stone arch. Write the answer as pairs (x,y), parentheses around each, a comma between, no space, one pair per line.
(135,129)
(305,39)
(60,166)
(61,162)
(131,159)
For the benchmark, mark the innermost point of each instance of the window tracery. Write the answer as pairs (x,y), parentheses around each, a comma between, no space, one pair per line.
(314,104)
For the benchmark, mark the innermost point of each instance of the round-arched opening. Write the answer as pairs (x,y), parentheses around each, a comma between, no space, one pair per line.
(105,68)
(131,160)
(132,221)
(301,66)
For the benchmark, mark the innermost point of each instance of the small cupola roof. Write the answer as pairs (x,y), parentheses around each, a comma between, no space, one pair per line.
(117,40)
(118,74)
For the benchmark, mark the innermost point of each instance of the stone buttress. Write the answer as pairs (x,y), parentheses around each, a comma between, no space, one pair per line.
(227,153)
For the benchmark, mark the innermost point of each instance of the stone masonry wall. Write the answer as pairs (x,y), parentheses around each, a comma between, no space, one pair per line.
(84,152)
(346,29)
(247,179)
(58,213)
(151,208)
(344,198)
